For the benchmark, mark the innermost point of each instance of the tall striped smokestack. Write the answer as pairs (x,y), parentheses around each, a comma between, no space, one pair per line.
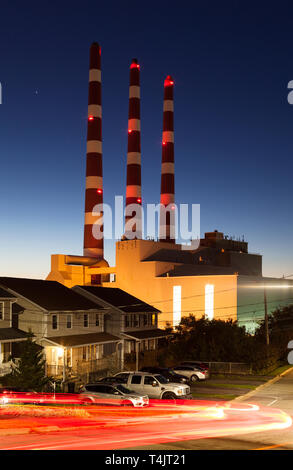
(133,183)
(93,245)
(167,224)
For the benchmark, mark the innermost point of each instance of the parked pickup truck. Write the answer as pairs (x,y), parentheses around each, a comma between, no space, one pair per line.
(154,385)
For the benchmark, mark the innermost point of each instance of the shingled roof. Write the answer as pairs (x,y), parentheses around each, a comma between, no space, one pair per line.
(119,298)
(49,295)
(12,334)
(6,295)
(82,339)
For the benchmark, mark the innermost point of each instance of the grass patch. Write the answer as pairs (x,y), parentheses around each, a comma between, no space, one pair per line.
(280,370)
(225,385)
(245,378)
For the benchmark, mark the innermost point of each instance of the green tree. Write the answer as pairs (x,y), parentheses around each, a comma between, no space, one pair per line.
(280,324)
(216,341)
(28,372)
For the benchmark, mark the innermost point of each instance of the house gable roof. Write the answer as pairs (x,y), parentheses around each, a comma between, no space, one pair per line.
(49,295)
(120,299)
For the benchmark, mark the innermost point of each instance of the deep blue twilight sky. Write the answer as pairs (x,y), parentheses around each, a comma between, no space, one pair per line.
(231,62)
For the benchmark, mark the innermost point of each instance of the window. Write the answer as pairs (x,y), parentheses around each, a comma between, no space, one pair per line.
(1,310)
(124,376)
(145,320)
(153,319)
(135,320)
(126,321)
(84,353)
(97,319)
(95,279)
(151,344)
(54,322)
(68,321)
(148,380)
(86,320)
(136,379)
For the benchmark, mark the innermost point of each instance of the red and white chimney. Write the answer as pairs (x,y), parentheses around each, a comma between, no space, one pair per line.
(93,245)
(167,223)
(133,183)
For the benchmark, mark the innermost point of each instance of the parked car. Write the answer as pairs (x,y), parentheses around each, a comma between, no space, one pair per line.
(111,379)
(154,385)
(113,394)
(200,364)
(193,373)
(168,373)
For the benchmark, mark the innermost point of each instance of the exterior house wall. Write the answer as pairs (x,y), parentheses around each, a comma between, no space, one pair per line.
(77,323)
(6,321)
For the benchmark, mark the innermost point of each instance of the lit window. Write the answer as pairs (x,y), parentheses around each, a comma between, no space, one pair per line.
(209,301)
(176,305)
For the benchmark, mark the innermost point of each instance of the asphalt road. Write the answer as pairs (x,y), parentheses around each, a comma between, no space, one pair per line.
(276,394)
(168,429)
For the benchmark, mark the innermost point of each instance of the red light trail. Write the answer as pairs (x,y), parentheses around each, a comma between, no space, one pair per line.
(76,426)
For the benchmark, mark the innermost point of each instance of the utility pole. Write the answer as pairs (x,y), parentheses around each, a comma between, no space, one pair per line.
(266,317)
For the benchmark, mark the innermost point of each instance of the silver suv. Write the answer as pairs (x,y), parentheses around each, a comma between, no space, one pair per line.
(113,394)
(154,385)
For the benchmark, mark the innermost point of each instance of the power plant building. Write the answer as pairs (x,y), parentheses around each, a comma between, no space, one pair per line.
(219,279)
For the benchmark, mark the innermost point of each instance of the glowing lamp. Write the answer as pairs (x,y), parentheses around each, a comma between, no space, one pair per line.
(91,118)
(60,352)
(99,191)
(168,81)
(164,143)
(129,131)
(173,208)
(138,200)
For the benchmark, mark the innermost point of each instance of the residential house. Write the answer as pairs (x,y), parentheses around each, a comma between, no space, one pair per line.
(128,317)
(69,326)
(10,334)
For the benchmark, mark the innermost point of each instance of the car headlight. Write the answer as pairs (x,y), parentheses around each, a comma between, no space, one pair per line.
(4,400)
(180,392)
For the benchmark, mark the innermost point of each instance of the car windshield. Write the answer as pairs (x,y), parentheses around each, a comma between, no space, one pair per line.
(124,389)
(161,379)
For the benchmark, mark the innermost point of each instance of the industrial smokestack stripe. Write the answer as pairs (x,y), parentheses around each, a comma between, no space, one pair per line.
(167,170)
(133,180)
(93,245)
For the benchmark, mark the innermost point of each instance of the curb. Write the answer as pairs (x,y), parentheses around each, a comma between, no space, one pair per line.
(260,387)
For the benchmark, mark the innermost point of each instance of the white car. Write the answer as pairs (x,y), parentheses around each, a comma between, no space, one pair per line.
(191,372)
(113,394)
